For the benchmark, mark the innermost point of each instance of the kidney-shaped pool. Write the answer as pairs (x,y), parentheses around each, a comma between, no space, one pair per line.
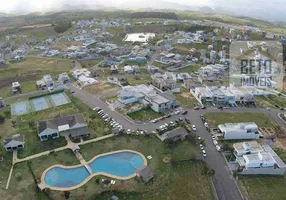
(120,165)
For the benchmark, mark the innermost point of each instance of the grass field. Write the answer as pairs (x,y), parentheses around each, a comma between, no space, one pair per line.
(190,69)
(262,120)
(139,80)
(145,115)
(90,63)
(270,101)
(101,88)
(263,187)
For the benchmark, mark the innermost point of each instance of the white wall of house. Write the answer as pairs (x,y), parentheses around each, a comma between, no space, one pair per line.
(238,135)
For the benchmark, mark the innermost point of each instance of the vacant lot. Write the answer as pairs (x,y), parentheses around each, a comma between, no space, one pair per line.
(139,80)
(263,187)
(270,101)
(262,120)
(145,115)
(101,88)
(185,98)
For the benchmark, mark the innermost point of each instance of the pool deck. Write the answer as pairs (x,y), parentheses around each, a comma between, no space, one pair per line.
(43,185)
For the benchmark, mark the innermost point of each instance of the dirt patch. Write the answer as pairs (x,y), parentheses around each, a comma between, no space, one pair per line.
(37,26)
(187,95)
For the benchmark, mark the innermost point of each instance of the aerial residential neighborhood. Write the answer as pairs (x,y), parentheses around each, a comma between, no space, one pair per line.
(124,103)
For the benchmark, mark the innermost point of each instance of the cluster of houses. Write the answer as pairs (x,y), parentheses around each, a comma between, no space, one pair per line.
(47,82)
(148,96)
(213,95)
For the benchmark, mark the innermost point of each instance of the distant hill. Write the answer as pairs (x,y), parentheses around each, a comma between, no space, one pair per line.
(163,15)
(206,10)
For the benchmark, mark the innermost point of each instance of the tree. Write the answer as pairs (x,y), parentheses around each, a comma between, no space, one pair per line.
(2,119)
(7,114)
(62,27)
(32,124)
(67,194)
(211,172)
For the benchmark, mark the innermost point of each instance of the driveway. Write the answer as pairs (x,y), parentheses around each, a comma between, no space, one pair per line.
(223,180)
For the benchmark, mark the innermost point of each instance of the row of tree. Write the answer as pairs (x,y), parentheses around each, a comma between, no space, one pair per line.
(62,27)
(163,15)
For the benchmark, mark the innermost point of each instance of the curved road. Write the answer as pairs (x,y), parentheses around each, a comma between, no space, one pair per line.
(224,183)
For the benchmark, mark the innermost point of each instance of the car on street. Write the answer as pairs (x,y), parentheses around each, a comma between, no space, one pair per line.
(168,116)
(215,142)
(213,137)
(203,107)
(194,128)
(96,109)
(185,112)
(187,120)
(204,155)
(128,131)
(180,119)
(196,108)
(177,112)
(268,109)
(154,120)
(199,138)
(204,151)
(218,148)
(201,147)
(206,125)
(172,123)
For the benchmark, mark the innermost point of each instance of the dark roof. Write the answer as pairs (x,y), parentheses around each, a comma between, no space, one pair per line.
(176,132)
(18,138)
(168,96)
(146,174)
(79,131)
(60,120)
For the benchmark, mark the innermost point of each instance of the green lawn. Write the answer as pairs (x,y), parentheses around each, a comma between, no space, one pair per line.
(262,120)
(101,88)
(145,115)
(139,80)
(185,98)
(160,65)
(167,183)
(90,63)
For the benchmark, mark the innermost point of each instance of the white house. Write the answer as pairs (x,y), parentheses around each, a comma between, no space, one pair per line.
(257,159)
(239,131)
(48,80)
(14,143)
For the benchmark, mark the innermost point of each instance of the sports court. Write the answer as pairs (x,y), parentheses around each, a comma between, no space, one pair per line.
(39,103)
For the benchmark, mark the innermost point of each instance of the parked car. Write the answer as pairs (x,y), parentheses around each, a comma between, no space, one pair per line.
(96,109)
(128,131)
(172,123)
(218,148)
(199,138)
(204,151)
(203,107)
(206,125)
(204,155)
(196,108)
(154,120)
(168,116)
(202,147)
(213,137)
(185,112)
(188,121)
(215,142)
(177,112)
(194,128)
(180,119)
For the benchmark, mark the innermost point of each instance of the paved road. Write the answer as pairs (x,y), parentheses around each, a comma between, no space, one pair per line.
(223,180)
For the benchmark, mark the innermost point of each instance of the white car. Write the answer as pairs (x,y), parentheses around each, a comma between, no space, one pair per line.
(194,128)
(154,120)
(215,142)
(177,112)
(213,137)
(206,125)
(204,151)
(96,108)
(199,138)
(128,131)
(218,148)
(142,132)
(204,155)
(202,147)
(172,123)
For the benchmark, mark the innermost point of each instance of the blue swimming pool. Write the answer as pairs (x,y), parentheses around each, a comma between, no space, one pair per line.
(122,164)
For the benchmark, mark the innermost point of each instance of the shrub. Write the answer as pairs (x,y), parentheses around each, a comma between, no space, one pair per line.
(97,181)
(2,119)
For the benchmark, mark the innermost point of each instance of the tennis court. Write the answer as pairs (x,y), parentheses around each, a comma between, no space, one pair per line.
(59,99)
(20,108)
(39,103)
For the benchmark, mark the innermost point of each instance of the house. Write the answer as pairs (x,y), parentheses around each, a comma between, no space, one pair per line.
(2,63)
(158,101)
(239,131)
(145,174)
(270,36)
(204,95)
(256,159)
(229,97)
(128,69)
(114,69)
(161,83)
(48,80)
(176,134)
(152,69)
(14,143)
(64,78)
(52,128)
(16,87)
(218,95)
(41,85)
